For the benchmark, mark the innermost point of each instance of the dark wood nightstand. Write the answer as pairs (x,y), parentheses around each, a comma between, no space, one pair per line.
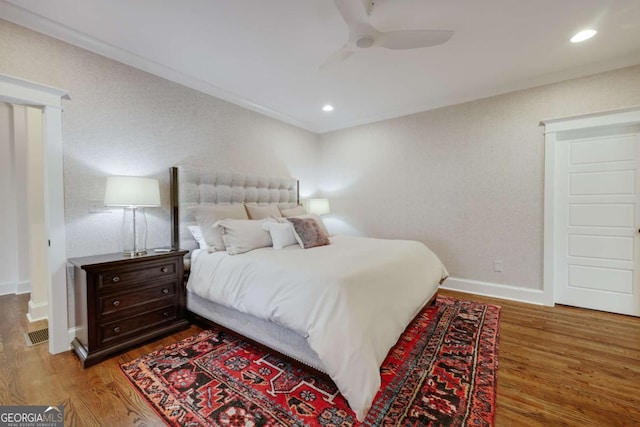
(121,302)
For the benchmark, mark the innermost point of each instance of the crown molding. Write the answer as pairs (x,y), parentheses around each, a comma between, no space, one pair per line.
(40,24)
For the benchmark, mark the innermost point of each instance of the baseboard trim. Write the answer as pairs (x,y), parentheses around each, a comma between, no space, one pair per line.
(495,290)
(23,287)
(7,288)
(15,288)
(72,336)
(38,311)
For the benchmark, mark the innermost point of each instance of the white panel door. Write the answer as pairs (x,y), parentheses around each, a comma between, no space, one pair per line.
(597,242)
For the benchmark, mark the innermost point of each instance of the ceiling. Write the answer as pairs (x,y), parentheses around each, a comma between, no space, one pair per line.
(266,55)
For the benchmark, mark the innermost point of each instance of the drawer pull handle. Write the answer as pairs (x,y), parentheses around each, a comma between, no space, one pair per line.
(165,291)
(115,279)
(116,303)
(116,329)
(164,269)
(165,314)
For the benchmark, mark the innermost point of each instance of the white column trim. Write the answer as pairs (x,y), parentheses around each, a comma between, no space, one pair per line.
(54,204)
(15,90)
(37,311)
(20,91)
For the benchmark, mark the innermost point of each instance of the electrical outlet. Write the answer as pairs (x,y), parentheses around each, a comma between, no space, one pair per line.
(497,266)
(97,206)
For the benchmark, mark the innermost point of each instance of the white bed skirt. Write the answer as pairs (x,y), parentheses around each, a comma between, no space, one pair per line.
(264,332)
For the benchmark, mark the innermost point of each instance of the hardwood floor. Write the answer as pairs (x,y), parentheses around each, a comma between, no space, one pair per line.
(558,366)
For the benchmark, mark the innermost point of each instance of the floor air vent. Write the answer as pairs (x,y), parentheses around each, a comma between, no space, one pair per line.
(37,337)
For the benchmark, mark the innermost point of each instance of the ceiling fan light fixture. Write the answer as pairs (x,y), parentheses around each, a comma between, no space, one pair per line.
(365,42)
(583,35)
(364,35)
(327,108)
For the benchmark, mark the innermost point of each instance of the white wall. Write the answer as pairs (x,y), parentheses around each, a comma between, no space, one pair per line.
(467,180)
(122,121)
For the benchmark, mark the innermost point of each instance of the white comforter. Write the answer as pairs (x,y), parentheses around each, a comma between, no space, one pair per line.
(351,299)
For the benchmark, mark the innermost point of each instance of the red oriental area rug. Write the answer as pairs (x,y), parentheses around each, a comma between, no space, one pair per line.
(442,372)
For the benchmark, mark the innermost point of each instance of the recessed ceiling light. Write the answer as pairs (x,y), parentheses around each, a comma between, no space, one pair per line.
(583,35)
(327,108)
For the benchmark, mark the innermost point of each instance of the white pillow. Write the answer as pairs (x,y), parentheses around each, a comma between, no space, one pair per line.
(310,215)
(207,217)
(281,234)
(244,235)
(196,232)
(298,210)
(262,212)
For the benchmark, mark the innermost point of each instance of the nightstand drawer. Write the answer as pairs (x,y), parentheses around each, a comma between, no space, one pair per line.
(125,328)
(142,273)
(122,301)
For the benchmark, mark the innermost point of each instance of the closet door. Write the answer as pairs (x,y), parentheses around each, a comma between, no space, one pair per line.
(597,218)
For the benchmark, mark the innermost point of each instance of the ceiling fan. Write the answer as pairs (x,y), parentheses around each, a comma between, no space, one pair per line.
(362,35)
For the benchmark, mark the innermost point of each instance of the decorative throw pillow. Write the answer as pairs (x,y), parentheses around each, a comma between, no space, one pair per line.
(308,232)
(207,217)
(313,216)
(244,235)
(282,234)
(196,232)
(297,211)
(262,212)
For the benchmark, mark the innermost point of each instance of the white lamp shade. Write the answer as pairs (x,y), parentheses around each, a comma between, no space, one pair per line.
(319,206)
(132,191)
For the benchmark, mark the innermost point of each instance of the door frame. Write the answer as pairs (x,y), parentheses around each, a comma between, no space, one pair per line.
(14,90)
(621,117)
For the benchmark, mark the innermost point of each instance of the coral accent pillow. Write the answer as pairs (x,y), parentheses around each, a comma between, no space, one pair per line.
(308,233)
(309,215)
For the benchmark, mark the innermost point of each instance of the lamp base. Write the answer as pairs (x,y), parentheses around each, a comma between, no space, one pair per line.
(132,254)
(134,232)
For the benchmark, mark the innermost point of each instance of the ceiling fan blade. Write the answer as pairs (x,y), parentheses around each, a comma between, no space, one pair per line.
(412,39)
(354,14)
(343,53)
(369,4)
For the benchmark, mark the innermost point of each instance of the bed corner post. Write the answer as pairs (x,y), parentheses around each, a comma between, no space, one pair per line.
(175,224)
(297,191)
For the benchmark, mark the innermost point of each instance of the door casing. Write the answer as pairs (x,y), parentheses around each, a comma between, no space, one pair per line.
(14,90)
(623,117)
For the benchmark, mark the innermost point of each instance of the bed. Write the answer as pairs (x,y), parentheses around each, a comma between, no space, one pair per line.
(337,308)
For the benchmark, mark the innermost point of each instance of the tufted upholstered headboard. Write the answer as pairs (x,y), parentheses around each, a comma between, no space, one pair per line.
(192,186)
